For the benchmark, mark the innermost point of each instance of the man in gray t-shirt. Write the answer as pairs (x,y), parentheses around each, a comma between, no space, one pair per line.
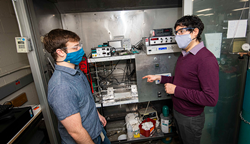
(69,93)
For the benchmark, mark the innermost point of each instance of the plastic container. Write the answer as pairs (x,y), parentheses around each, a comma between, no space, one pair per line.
(166,124)
(166,121)
(147,133)
(165,111)
(136,131)
(129,131)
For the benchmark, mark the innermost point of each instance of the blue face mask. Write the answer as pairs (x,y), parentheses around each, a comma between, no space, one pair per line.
(183,40)
(74,57)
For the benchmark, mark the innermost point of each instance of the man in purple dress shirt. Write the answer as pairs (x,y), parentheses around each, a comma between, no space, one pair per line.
(196,81)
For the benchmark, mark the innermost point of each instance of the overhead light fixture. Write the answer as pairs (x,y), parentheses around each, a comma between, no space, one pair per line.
(200,14)
(243,0)
(240,9)
(208,9)
(208,14)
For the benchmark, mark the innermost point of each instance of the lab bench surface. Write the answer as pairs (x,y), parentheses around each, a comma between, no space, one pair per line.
(35,119)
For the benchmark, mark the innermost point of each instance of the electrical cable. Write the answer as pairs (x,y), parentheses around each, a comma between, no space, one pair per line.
(89,55)
(145,110)
(108,80)
(112,70)
(9,104)
(116,80)
(105,78)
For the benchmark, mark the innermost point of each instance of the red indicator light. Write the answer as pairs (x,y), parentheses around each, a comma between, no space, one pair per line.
(154,38)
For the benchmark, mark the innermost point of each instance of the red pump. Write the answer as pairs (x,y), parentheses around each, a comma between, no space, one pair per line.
(84,67)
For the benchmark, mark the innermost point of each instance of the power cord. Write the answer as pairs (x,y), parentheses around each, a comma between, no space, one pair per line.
(145,111)
(5,103)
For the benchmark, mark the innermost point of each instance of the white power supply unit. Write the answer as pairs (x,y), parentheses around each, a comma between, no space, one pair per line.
(22,45)
(101,52)
(161,49)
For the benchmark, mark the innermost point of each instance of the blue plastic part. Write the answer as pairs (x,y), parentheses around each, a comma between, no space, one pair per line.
(99,45)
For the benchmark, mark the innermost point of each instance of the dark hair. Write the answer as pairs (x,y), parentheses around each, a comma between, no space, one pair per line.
(191,21)
(57,39)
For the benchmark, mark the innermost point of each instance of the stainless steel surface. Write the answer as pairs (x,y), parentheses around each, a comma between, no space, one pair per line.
(151,65)
(24,18)
(45,11)
(95,28)
(47,16)
(112,95)
(110,92)
(134,91)
(76,6)
(161,49)
(113,58)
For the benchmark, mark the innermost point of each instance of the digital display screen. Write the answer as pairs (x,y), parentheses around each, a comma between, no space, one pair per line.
(166,30)
(154,38)
(163,48)
(116,44)
(20,42)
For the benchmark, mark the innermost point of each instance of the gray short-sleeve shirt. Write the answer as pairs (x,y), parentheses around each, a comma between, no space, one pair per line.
(69,93)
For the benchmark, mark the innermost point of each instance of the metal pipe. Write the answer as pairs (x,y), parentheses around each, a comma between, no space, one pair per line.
(51,63)
(25,67)
(97,78)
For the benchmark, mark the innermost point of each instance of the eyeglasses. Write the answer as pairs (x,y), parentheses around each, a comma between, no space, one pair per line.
(76,47)
(182,31)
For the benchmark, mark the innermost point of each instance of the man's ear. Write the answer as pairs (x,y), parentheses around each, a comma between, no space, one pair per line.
(196,32)
(60,52)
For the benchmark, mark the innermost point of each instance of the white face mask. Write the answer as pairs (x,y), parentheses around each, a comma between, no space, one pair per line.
(183,40)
